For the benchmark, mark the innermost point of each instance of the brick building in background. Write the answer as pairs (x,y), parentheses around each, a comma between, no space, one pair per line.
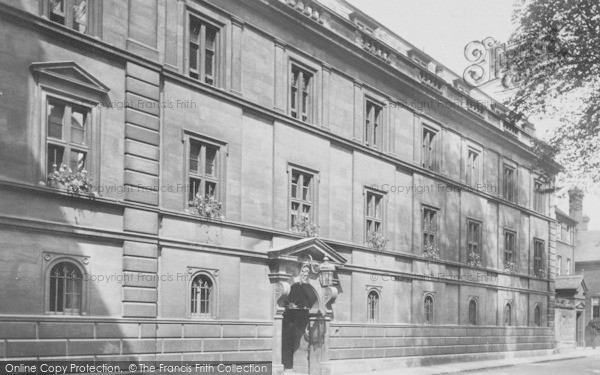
(587,263)
(435,236)
(571,288)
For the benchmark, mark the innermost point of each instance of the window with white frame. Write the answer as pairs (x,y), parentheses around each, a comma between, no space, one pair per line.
(473,237)
(510,240)
(430,226)
(203,50)
(65,288)
(567,233)
(373,213)
(559,270)
(559,231)
(509,183)
(473,167)
(429,152)
(67,135)
(595,307)
(428,310)
(539,199)
(202,296)
(69,112)
(473,312)
(302,196)
(203,168)
(568,267)
(373,123)
(538,257)
(373,306)
(301,93)
(80,15)
(508,318)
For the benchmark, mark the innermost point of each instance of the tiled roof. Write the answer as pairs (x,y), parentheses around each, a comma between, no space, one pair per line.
(564,214)
(568,282)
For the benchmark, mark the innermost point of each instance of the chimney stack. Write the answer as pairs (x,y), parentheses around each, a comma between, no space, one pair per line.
(576,204)
(584,225)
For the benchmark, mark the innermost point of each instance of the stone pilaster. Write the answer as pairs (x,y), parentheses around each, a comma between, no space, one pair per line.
(277,340)
(280,95)
(237,28)
(358,112)
(141,179)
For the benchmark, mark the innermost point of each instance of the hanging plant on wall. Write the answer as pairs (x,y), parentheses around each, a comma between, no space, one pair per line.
(377,241)
(304,226)
(510,267)
(207,207)
(431,252)
(63,178)
(474,259)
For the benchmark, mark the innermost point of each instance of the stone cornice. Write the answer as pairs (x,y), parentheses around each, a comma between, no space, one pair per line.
(411,80)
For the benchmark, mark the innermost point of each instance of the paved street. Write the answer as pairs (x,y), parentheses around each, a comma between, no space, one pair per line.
(582,361)
(578,366)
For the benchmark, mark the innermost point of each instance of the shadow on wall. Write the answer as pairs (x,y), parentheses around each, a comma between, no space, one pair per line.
(55,277)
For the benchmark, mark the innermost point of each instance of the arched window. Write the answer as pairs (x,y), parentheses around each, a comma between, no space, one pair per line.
(428,305)
(473,312)
(202,295)
(507,314)
(537,316)
(65,289)
(373,306)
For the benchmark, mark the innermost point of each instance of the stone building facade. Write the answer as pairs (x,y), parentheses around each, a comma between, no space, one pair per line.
(435,236)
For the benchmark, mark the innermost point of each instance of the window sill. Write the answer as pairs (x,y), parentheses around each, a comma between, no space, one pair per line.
(65,316)
(476,267)
(201,318)
(89,196)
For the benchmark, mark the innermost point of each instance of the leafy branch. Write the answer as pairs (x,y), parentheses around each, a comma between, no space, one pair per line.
(559,79)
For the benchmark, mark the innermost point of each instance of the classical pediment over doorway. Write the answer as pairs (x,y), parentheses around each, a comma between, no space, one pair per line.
(308,262)
(313,247)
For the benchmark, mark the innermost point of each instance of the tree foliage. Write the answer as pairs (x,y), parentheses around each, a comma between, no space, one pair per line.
(556,71)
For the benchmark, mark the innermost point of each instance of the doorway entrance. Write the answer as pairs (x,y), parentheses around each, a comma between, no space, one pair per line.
(295,341)
(305,288)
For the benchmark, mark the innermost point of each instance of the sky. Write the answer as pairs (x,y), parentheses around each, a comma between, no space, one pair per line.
(442,28)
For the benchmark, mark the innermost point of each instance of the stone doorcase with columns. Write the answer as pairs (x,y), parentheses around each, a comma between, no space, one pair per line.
(570,306)
(302,275)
